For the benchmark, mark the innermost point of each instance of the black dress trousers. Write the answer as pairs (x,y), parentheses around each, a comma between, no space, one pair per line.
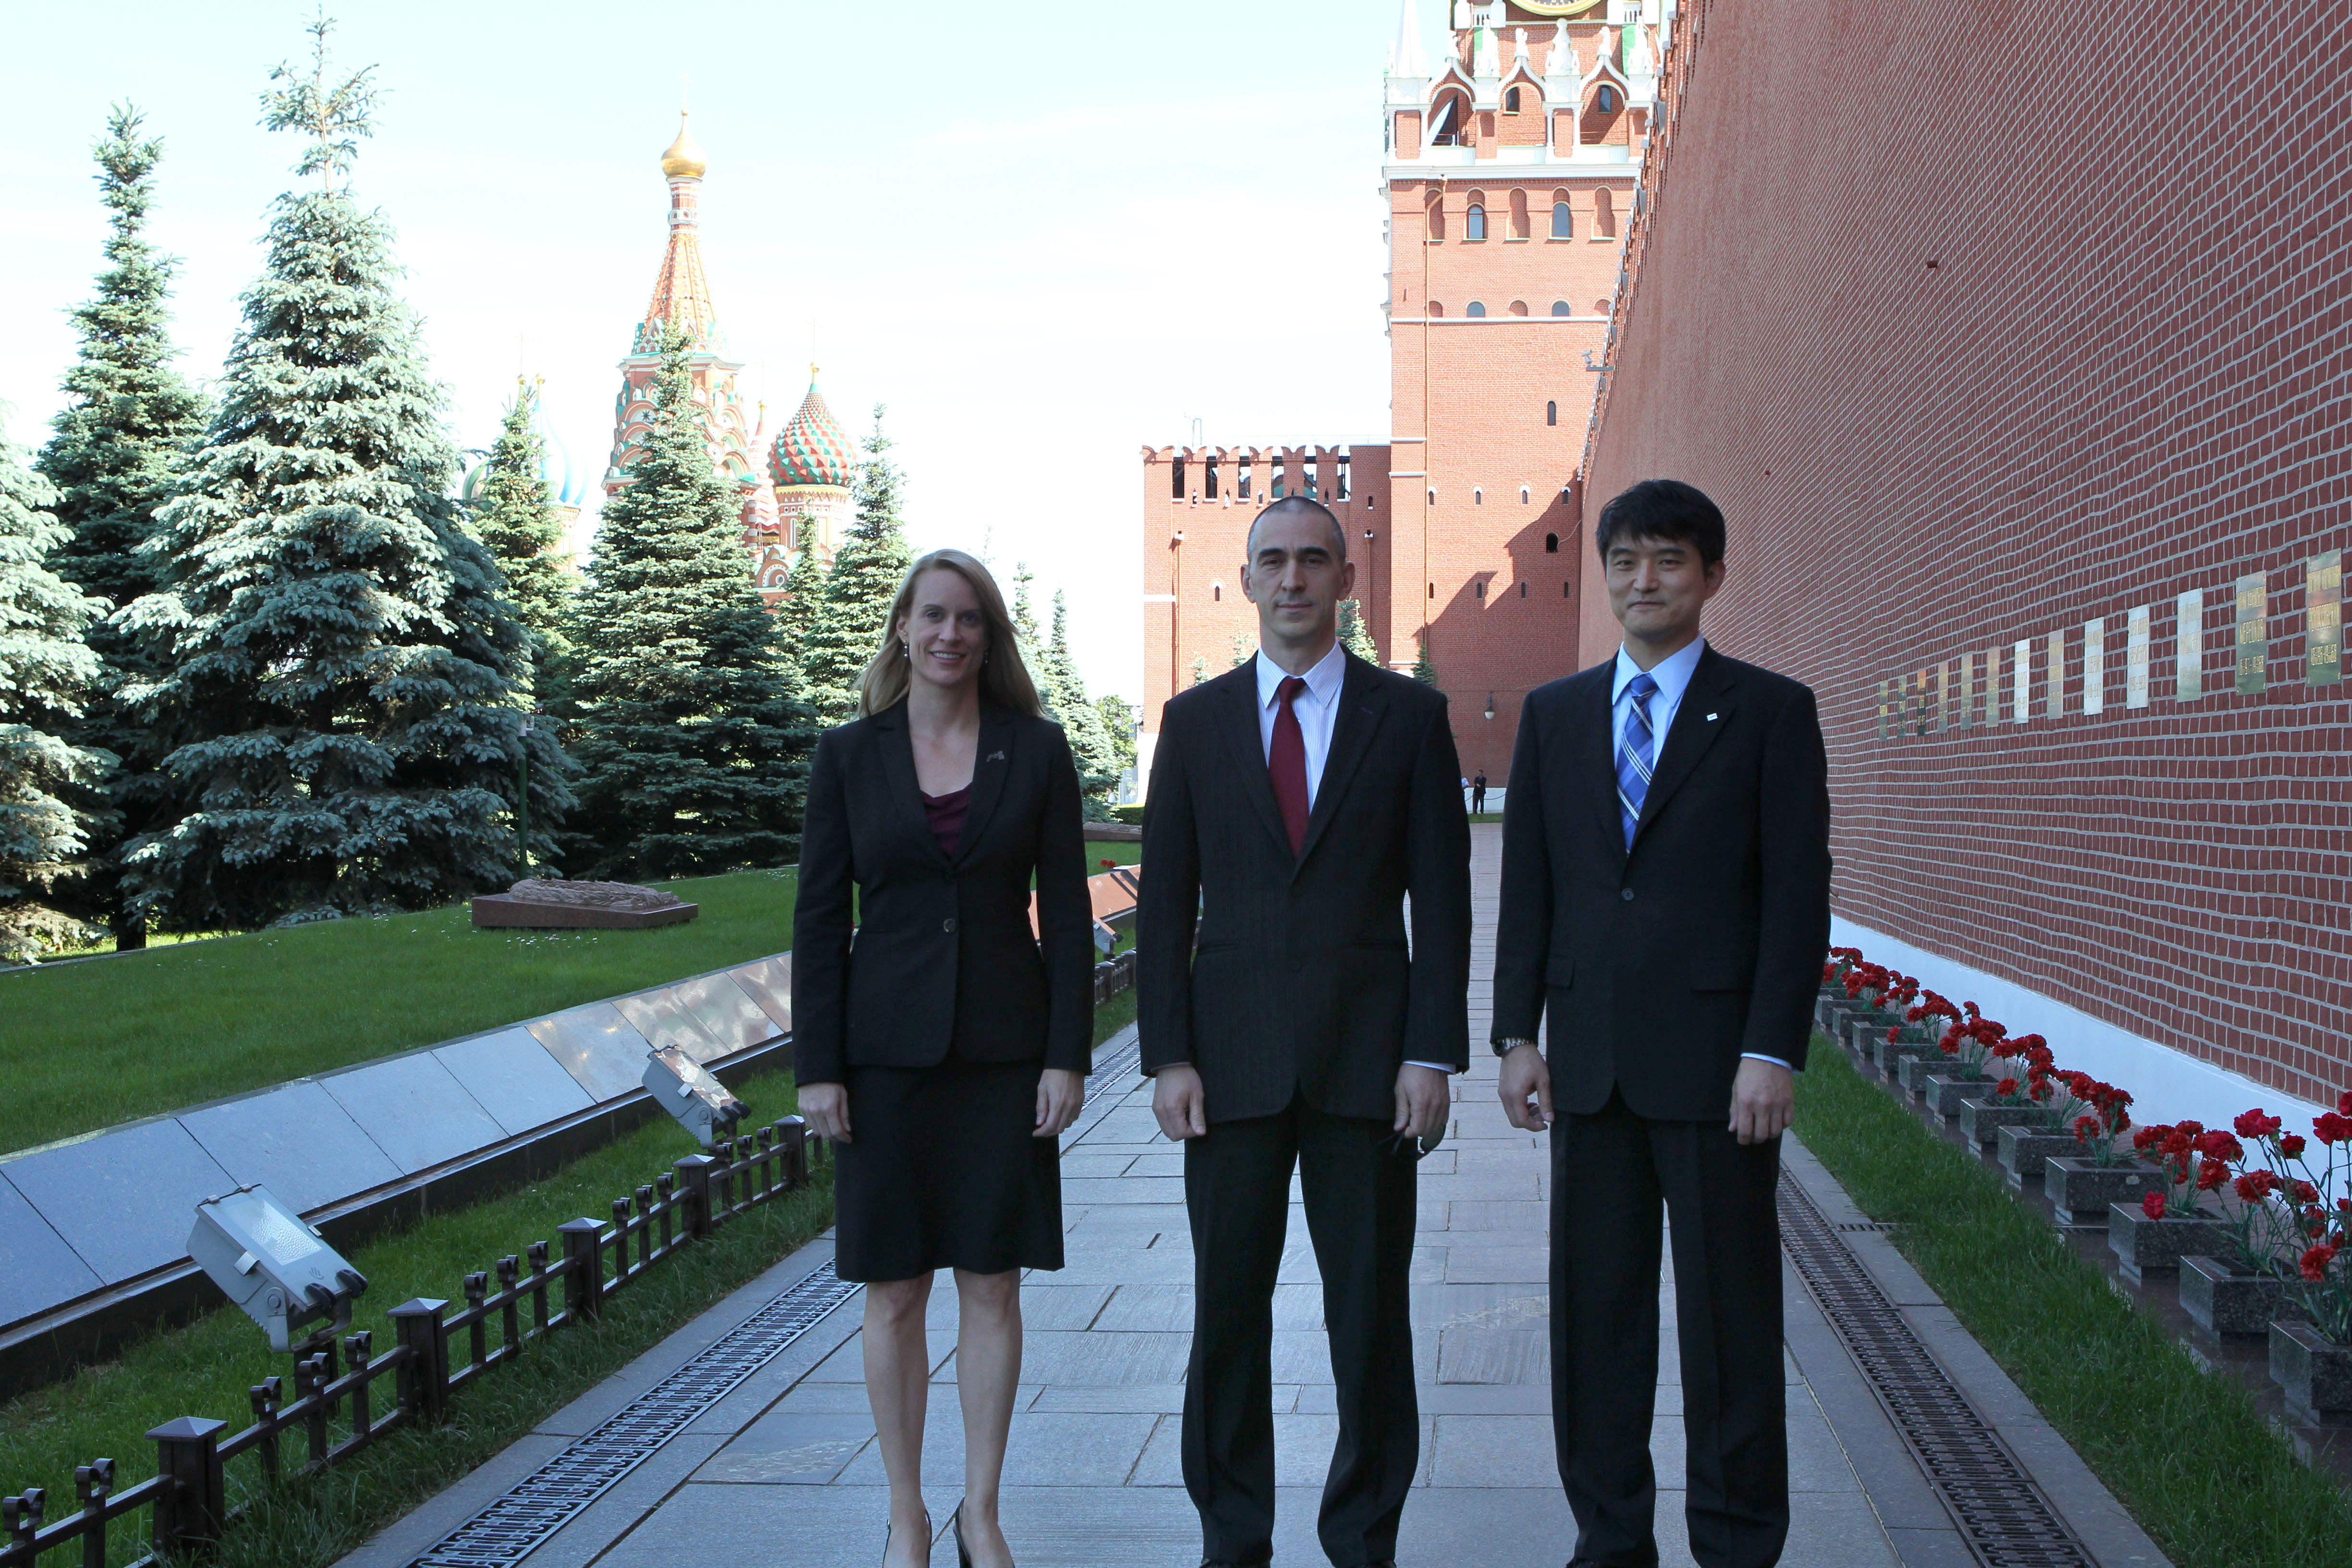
(1611,1170)
(1359,1191)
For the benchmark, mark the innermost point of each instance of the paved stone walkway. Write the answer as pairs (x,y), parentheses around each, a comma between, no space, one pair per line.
(785,1470)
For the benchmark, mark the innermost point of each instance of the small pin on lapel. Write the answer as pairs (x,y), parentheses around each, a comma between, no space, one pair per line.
(1710,717)
(999,756)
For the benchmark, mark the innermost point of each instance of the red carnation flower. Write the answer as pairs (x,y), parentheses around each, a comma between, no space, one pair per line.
(2085,1126)
(2254,1124)
(2152,1205)
(2304,1192)
(2004,1089)
(2315,1262)
(2256,1185)
(2219,1145)
(2210,1174)
(2344,1103)
(2148,1136)
(2291,1146)
(2331,1128)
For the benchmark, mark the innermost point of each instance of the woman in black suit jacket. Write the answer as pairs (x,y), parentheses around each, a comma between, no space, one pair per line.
(945,1049)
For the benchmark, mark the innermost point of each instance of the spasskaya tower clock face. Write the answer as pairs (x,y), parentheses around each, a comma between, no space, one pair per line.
(1550,8)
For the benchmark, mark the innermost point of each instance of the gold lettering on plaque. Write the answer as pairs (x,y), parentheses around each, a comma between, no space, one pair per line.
(2136,658)
(2188,647)
(2322,620)
(2254,634)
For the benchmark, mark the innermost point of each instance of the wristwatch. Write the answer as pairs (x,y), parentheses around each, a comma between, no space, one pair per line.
(1505,1048)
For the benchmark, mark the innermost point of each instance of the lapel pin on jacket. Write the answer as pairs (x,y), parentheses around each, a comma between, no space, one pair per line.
(1710,717)
(999,756)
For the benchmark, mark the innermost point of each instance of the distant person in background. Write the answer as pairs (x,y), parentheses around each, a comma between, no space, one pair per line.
(1478,792)
(944,1052)
(1666,900)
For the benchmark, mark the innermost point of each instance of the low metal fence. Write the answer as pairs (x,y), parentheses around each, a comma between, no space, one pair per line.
(1113,975)
(335,1408)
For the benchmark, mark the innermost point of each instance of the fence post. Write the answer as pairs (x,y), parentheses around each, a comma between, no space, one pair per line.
(193,1497)
(584,1288)
(793,1133)
(694,1187)
(424,1381)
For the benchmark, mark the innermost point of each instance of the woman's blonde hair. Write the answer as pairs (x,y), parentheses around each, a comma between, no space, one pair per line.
(1003,678)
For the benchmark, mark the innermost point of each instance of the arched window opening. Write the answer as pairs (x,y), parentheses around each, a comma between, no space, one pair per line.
(1432,495)
(1242,486)
(1511,101)
(1176,480)
(1518,307)
(1551,545)
(1209,480)
(1474,222)
(1437,219)
(1600,119)
(1605,100)
(1474,308)
(1563,216)
(1566,592)
(1600,306)
(1551,413)
(1478,589)
(1477,498)
(1518,215)
(1432,589)
(1525,495)
(1559,307)
(1523,590)
(1452,122)
(1437,310)
(1369,499)
(1217,591)
(1605,215)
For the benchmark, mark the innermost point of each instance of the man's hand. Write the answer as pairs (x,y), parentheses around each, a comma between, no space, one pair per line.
(1763,1101)
(1424,1101)
(1178,1102)
(1525,1086)
(825,1108)
(1061,1094)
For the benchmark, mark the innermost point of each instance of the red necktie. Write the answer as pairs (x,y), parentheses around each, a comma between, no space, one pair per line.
(1287,760)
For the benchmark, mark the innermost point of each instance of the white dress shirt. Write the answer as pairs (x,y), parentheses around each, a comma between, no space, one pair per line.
(1673,674)
(1317,708)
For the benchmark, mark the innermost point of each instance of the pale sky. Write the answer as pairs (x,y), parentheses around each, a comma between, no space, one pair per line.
(1044,235)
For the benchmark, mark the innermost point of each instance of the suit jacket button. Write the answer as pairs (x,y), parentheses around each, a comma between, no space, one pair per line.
(1627,895)
(949,925)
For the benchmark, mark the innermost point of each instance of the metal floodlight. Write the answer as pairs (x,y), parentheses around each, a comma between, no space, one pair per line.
(700,1102)
(269,1262)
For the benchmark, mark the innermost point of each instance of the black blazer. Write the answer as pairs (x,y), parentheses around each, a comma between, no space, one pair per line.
(943,957)
(1302,981)
(1662,965)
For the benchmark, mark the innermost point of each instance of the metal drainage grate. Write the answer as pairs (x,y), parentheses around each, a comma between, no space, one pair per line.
(2001,1514)
(554,1495)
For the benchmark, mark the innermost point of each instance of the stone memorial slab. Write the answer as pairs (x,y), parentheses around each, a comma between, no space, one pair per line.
(663,1017)
(597,1046)
(125,1200)
(726,1015)
(511,1076)
(544,904)
(770,983)
(42,1270)
(294,1140)
(413,1110)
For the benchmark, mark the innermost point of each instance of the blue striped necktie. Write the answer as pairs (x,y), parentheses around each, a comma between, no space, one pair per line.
(1636,748)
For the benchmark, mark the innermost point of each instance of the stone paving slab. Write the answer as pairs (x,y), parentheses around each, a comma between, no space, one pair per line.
(785,1469)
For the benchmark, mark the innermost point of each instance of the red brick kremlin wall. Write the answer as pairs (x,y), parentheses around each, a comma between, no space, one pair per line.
(1996,329)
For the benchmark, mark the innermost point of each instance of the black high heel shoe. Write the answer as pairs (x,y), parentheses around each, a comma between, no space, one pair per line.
(955,1523)
(888,1527)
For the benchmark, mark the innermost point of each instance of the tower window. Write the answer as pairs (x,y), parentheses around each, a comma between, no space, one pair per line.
(1523,590)
(1525,495)
(1511,101)
(1217,591)
(1474,308)
(1563,217)
(1436,309)
(1432,495)
(1605,100)
(1474,222)
(1477,497)
(1209,481)
(1551,545)
(1565,591)
(1518,215)
(1242,488)
(1551,413)
(1559,307)
(1478,589)
(1605,215)
(1176,479)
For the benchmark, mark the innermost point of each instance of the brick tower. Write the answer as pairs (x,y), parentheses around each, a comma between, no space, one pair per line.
(1509,170)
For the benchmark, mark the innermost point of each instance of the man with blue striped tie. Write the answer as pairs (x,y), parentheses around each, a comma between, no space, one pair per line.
(1664,908)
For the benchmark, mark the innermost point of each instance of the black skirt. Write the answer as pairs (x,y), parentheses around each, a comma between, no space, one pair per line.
(941,1172)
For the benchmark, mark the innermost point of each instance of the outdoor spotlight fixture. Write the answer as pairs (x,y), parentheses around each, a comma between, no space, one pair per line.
(271,1263)
(700,1102)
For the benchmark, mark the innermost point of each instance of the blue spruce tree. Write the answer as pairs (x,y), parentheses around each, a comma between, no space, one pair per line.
(340,703)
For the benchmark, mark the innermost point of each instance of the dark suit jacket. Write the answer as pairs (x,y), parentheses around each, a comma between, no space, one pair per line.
(943,956)
(1662,965)
(1302,981)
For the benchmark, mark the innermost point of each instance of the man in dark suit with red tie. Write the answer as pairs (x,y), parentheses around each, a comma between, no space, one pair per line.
(1295,803)
(1666,902)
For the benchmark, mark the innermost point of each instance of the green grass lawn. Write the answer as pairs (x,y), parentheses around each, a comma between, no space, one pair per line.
(2185,1450)
(86,1046)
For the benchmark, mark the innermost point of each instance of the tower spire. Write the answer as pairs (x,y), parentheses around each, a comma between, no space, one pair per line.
(1406,57)
(681,289)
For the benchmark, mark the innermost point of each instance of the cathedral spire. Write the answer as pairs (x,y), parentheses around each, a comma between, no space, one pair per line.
(681,290)
(1406,57)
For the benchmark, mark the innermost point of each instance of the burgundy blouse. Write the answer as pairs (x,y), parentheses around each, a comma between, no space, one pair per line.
(946,811)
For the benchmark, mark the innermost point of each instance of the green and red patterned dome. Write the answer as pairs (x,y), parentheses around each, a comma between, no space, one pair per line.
(813,449)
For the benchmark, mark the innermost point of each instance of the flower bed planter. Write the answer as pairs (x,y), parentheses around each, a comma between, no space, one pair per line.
(2024,1152)
(1981,1121)
(2156,1247)
(2082,1190)
(1944,1091)
(1914,1071)
(2314,1371)
(1863,1036)
(2221,1300)
(1890,1053)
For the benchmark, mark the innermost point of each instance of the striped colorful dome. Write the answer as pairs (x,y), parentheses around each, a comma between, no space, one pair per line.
(567,483)
(813,449)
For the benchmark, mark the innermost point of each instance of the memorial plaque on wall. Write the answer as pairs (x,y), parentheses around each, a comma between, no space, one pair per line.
(2254,634)
(1882,711)
(2135,658)
(2094,665)
(1944,719)
(2021,694)
(2057,673)
(2189,648)
(2322,620)
(1968,663)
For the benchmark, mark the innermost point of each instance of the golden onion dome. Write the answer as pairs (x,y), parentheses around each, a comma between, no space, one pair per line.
(683,158)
